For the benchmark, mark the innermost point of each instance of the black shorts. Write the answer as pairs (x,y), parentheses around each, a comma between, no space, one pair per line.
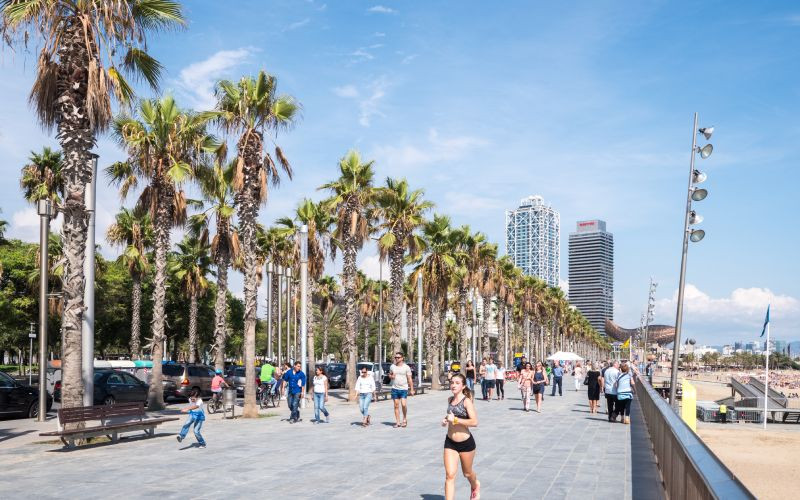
(537,388)
(460,446)
(490,383)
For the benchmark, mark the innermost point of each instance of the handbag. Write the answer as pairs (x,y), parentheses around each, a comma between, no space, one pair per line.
(586,380)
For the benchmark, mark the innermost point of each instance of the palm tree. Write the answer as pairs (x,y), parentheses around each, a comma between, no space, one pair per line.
(190,265)
(86,46)
(275,248)
(328,289)
(164,145)
(216,185)
(401,212)
(134,231)
(487,286)
(318,221)
(467,243)
(42,177)
(251,109)
(353,197)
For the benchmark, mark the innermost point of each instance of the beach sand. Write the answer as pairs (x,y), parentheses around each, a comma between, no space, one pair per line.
(766,462)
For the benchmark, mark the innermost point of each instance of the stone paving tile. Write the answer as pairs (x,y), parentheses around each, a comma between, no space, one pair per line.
(559,453)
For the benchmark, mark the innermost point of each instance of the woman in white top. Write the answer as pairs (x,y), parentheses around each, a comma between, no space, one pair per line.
(499,379)
(320,394)
(365,386)
(578,375)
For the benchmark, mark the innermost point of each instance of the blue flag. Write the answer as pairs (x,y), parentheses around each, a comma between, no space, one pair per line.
(766,322)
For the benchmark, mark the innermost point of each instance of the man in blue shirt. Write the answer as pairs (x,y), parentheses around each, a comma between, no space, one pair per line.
(295,381)
(558,374)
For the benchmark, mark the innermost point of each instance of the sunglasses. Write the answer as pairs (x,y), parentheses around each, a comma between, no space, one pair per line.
(398,357)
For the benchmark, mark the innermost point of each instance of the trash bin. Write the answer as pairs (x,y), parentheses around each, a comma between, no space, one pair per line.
(228,401)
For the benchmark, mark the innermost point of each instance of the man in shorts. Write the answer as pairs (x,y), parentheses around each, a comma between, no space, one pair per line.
(402,383)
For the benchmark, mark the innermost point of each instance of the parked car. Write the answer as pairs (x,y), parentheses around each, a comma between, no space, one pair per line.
(337,374)
(187,377)
(116,386)
(18,399)
(235,377)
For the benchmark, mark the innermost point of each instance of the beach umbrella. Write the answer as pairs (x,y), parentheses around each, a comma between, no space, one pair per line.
(564,356)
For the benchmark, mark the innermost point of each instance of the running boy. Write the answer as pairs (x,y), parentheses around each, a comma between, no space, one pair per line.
(196,417)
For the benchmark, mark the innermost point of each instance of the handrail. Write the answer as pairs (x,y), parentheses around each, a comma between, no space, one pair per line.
(690,470)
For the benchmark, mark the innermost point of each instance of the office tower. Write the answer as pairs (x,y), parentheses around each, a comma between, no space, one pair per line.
(533,239)
(591,272)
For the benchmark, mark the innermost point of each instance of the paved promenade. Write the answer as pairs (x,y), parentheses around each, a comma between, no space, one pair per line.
(562,452)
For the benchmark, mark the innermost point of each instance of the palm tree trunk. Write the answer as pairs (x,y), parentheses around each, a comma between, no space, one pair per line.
(396,306)
(311,348)
(248,232)
(76,138)
(221,312)
(431,343)
(350,312)
(462,328)
(325,325)
(136,320)
(487,313)
(193,328)
(161,222)
(411,327)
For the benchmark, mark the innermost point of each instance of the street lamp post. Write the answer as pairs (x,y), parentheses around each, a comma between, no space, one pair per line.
(380,319)
(693,235)
(304,305)
(474,324)
(289,314)
(279,273)
(87,322)
(269,310)
(419,329)
(45,212)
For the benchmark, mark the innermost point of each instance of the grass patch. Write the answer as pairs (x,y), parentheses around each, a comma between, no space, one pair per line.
(268,415)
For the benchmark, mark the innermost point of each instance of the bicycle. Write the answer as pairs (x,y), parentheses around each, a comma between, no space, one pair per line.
(215,403)
(266,396)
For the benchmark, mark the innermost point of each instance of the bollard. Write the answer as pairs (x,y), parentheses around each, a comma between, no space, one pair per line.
(229,400)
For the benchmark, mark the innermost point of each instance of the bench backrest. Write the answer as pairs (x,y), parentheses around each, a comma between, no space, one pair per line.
(100,412)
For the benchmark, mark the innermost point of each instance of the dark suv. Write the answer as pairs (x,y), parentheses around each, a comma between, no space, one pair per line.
(187,377)
(337,374)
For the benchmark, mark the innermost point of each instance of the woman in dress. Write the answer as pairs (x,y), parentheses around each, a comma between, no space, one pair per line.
(593,385)
(459,445)
(525,382)
(539,381)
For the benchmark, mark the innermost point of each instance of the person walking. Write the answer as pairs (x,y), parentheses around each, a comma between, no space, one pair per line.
(539,381)
(402,384)
(321,385)
(459,445)
(608,380)
(482,377)
(491,373)
(196,418)
(593,386)
(499,381)
(525,383)
(577,374)
(625,391)
(295,382)
(470,375)
(365,387)
(558,376)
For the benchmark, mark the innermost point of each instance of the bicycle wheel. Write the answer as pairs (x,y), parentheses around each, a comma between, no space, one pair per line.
(212,407)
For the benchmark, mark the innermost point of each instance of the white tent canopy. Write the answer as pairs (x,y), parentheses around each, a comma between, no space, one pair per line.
(564,356)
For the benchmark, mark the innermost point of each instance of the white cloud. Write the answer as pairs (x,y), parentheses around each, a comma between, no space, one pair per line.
(381,9)
(435,149)
(360,55)
(379,34)
(407,59)
(346,91)
(465,204)
(371,266)
(197,79)
(298,24)
(25,225)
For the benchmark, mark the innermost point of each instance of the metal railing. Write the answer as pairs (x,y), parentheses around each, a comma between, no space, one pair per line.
(689,469)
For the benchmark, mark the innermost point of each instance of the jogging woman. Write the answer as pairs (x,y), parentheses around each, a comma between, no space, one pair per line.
(539,381)
(525,382)
(459,445)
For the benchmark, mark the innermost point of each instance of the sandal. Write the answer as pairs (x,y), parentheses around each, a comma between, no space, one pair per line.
(476,493)
(397,426)
(404,424)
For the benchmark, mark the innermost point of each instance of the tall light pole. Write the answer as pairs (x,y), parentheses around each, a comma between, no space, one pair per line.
(269,310)
(474,324)
(279,273)
(45,212)
(288,271)
(87,321)
(419,328)
(694,235)
(304,305)
(380,319)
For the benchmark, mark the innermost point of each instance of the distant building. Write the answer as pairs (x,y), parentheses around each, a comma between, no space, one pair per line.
(738,346)
(533,239)
(778,346)
(753,347)
(727,350)
(591,272)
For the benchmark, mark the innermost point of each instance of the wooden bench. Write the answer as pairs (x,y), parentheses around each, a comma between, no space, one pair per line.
(386,391)
(114,419)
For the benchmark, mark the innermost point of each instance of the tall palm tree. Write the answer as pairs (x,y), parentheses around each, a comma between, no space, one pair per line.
(42,178)
(216,185)
(190,265)
(328,290)
(487,286)
(318,221)
(164,145)
(401,212)
(277,250)
(251,109)
(134,232)
(467,243)
(86,46)
(352,200)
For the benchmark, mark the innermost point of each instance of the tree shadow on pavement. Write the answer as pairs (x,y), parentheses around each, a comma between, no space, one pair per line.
(6,435)
(122,439)
(427,496)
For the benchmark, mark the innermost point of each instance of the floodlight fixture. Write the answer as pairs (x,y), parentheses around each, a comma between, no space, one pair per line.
(696,235)
(706,131)
(698,177)
(705,151)
(699,194)
(695,218)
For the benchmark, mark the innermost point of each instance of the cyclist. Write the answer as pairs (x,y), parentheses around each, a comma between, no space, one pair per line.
(267,376)
(217,383)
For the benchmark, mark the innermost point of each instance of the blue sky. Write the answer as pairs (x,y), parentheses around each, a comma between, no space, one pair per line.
(587,104)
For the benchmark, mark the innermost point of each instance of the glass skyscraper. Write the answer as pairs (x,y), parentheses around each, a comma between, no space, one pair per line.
(591,272)
(533,239)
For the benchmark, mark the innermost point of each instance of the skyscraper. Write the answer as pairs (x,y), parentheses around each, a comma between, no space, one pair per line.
(591,272)
(533,239)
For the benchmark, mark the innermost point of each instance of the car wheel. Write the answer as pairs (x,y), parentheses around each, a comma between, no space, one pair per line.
(108,400)
(33,411)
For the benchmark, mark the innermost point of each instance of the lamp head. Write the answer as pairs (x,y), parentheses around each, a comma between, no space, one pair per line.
(706,131)
(699,194)
(696,235)
(705,151)
(698,177)
(695,218)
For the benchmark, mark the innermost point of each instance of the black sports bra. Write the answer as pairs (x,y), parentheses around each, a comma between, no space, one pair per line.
(458,409)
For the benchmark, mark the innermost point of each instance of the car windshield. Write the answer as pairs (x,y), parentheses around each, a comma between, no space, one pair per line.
(239,372)
(172,370)
(360,366)
(337,369)
(6,380)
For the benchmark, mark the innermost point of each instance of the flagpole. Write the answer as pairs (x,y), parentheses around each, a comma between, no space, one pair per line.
(766,376)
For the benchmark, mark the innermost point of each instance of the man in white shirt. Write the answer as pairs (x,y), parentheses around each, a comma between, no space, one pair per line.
(491,374)
(402,384)
(608,381)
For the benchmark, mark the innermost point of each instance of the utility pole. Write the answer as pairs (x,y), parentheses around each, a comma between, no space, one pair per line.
(45,211)
(304,306)
(269,310)
(87,321)
(419,328)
